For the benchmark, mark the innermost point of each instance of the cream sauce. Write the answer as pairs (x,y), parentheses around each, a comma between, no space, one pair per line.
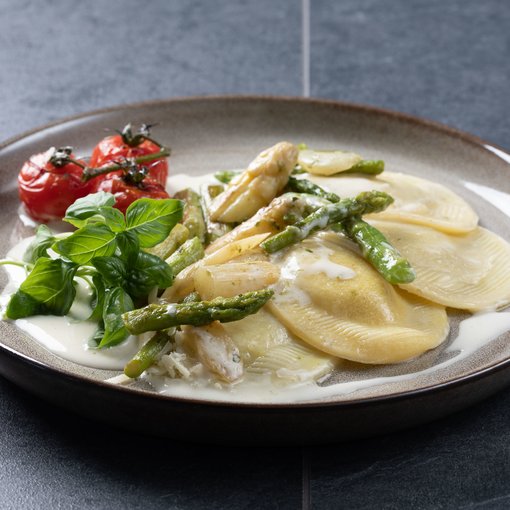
(475,332)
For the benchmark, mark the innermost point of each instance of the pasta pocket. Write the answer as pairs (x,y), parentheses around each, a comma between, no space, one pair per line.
(417,201)
(335,301)
(470,271)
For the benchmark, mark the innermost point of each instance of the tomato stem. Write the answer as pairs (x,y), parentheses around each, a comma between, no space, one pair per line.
(90,173)
(134,140)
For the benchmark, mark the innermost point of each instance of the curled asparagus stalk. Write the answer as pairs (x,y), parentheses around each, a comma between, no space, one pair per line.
(378,251)
(158,317)
(187,254)
(193,218)
(365,203)
(149,353)
(306,186)
(178,236)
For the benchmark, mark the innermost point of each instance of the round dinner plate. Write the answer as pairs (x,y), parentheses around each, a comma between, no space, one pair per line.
(210,134)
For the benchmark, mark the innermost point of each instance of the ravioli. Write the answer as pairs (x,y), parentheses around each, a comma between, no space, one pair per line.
(266,347)
(470,272)
(355,315)
(417,201)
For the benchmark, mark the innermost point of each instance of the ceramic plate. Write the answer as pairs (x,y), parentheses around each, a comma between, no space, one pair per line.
(207,134)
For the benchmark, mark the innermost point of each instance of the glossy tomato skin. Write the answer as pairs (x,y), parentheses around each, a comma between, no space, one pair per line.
(126,193)
(113,148)
(47,190)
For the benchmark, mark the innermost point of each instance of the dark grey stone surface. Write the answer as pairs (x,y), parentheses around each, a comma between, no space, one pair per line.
(445,60)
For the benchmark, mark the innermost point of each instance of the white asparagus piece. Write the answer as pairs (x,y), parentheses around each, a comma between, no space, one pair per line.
(233,278)
(254,188)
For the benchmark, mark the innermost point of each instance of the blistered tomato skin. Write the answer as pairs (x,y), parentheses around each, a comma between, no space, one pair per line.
(126,193)
(47,190)
(113,149)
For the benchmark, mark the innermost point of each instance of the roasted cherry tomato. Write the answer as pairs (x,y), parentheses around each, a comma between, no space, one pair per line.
(128,145)
(50,182)
(126,190)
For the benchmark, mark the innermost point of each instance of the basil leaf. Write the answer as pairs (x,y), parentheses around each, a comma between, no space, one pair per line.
(38,248)
(152,219)
(96,208)
(88,206)
(23,305)
(50,285)
(148,272)
(116,303)
(112,270)
(95,240)
(98,299)
(129,247)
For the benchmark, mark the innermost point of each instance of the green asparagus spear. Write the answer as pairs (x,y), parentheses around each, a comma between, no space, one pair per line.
(157,317)
(365,203)
(367,166)
(178,235)
(226,175)
(187,254)
(214,229)
(148,354)
(193,218)
(306,186)
(377,250)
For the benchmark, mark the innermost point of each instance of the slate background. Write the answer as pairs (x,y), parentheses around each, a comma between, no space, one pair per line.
(444,60)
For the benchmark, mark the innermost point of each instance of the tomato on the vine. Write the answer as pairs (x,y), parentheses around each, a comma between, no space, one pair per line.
(126,145)
(50,182)
(129,184)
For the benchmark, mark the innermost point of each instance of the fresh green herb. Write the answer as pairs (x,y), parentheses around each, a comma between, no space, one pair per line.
(48,289)
(38,248)
(105,251)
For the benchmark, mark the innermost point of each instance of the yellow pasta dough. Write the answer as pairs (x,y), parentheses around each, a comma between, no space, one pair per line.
(356,315)
(417,200)
(470,271)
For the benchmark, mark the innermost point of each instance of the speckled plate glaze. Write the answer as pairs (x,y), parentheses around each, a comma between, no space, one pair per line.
(207,134)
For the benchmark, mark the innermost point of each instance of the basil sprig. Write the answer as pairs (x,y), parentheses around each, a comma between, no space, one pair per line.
(106,250)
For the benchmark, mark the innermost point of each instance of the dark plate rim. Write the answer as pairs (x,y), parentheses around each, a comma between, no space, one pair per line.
(291,406)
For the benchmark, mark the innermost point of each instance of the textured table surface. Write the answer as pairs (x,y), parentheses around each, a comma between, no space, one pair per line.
(444,60)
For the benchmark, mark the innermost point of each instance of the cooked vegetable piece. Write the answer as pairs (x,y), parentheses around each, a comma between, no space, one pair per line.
(149,354)
(327,162)
(157,317)
(184,283)
(306,186)
(234,278)
(470,272)
(253,189)
(367,166)
(272,219)
(193,217)
(215,229)
(335,301)
(378,251)
(216,350)
(364,203)
(187,254)
(226,176)
(178,236)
